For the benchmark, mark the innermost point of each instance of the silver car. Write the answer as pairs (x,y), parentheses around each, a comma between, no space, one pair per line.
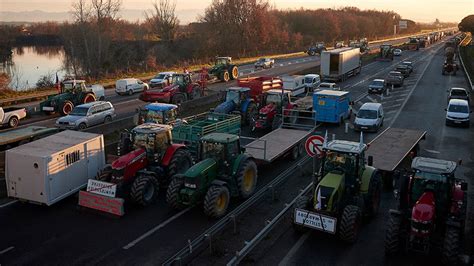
(87,115)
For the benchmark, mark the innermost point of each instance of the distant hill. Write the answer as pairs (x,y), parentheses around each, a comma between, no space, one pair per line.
(7,17)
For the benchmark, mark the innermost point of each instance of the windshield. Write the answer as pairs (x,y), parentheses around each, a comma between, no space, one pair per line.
(458,93)
(232,96)
(401,68)
(212,150)
(261,60)
(308,80)
(178,79)
(80,111)
(432,182)
(392,74)
(273,98)
(153,117)
(160,76)
(458,108)
(221,61)
(367,114)
(377,83)
(338,161)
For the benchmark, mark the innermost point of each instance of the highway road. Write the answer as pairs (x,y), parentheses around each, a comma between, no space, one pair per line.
(62,234)
(418,105)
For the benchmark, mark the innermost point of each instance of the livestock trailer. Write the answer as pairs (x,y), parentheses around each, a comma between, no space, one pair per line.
(48,170)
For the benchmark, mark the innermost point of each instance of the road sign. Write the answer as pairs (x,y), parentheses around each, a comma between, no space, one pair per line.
(403,24)
(314,145)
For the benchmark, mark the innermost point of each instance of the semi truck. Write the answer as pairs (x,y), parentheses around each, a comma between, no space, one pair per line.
(340,64)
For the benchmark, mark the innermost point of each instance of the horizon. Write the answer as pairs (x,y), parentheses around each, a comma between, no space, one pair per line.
(189,10)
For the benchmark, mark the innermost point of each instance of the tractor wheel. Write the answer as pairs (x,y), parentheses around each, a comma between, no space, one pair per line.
(196,92)
(251,113)
(13,122)
(89,98)
(276,123)
(178,98)
(451,246)
(350,223)
(225,76)
(216,201)
(372,202)
(144,190)
(234,72)
(393,235)
(301,203)
(180,162)
(105,174)
(177,182)
(403,192)
(247,178)
(66,107)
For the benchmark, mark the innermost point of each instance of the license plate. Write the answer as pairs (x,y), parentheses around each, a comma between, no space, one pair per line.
(48,108)
(364,127)
(457,122)
(316,221)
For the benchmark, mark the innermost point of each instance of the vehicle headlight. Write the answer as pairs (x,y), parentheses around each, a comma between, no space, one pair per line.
(72,123)
(189,185)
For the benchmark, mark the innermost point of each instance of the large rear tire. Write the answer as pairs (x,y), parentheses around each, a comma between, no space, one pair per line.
(178,99)
(172,193)
(372,203)
(88,98)
(66,107)
(350,224)
(180,162)
(216,201)
(196,92)
(144,190)
(225,76)
(234,72)
(393,235)
(451,246)
(247,178)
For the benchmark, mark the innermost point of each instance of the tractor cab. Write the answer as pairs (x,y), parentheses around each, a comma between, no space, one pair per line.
(237,95)
(223,61)
(182,80)
(221,147)
(158,113)
(275,98)
(73,86)
(154,138)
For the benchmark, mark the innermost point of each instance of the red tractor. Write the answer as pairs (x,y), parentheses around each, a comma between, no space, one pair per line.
(431,211)
(270,114)
(182,89)
(152,159)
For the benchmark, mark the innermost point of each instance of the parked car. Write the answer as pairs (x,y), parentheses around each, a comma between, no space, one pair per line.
(130,86)
(329,86)
(87,115)
(397,52)
(162,80)
(403,69)
(458,93)
(409,64)
(377,86)
(11,116)
(395,78)
(264,63)
(369,117)
(312,82)
(458,112)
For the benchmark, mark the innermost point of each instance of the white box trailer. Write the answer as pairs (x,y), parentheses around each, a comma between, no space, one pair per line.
(339,64)
(50,169)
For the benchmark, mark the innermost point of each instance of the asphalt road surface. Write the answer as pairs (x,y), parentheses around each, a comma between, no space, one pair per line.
(62,234)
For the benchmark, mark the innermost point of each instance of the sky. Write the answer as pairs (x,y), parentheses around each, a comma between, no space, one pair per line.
(418,10)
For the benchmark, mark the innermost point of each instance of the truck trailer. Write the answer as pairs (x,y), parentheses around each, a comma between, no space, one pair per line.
(339,64)
(50,169)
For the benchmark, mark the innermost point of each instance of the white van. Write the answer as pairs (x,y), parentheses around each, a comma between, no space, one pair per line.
(458,112)
(130,86)
(369,117)
(294,84)
(312,82)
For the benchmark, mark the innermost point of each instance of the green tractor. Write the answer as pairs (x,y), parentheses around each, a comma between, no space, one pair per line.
(348,191)
(223,69)
(223,172)
(73,92)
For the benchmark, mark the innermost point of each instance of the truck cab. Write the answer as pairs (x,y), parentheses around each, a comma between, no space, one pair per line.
(312,82)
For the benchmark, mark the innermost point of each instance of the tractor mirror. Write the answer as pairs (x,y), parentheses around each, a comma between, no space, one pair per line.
(464,186)
(370,160)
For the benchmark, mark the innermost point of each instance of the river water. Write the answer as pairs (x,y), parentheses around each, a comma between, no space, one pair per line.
(29,63)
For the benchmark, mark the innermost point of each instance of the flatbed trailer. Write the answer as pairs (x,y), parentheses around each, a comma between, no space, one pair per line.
(15,137)
(282,140)
(391,147)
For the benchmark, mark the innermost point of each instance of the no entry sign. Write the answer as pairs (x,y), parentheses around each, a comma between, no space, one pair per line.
(314,145)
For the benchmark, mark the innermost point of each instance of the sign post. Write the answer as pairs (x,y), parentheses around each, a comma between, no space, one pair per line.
(314,147)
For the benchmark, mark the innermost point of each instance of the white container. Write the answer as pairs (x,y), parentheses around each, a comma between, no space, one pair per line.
(338,64)
(50,169)
(294,84)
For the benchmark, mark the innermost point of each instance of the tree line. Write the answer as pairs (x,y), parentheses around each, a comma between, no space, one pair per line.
(99,44)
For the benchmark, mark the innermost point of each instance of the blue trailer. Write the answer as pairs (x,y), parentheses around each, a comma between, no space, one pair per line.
(331,106)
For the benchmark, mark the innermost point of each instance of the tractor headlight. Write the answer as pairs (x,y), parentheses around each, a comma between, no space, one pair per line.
(190,185)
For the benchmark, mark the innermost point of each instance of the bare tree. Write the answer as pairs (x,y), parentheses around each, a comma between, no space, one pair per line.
(81,11)
(105,10)
(163,19)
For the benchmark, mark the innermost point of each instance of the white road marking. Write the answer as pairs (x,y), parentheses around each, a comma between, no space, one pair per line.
(156,228)
(371,99)
(286,260)
(6,250)
(390,112)
(399,100)
(281,65)
(8,203)
(392,106)
(432,151)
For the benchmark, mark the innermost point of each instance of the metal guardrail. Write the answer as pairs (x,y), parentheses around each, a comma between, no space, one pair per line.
(250,245)
(471,85)
(231,217)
